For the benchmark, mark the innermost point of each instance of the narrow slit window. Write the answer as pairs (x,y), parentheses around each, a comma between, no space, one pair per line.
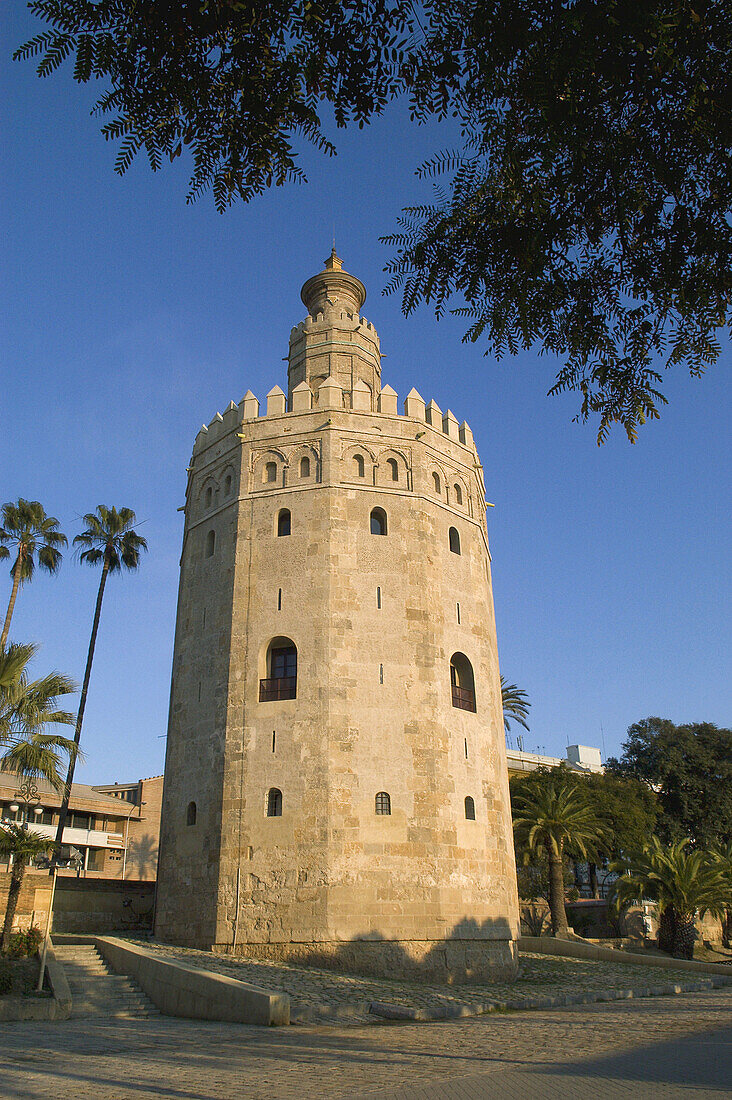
(227,484)
(383,804)
(270,472)
(210,544)
(469,808)
(436,483)
(381,674)
(454,540)
(458,613)
(378,599)
(274,802)
(466,748)
(305,467)
(199,691)
(191,814)
(359,465)
(393,468)
(279,599)
(284,522)
(458,494)
(274,739)
(209,496)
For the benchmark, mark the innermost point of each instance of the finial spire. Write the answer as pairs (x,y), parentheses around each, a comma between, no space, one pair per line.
(334,262)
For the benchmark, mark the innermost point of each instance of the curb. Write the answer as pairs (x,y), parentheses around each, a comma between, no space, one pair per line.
(453,1012)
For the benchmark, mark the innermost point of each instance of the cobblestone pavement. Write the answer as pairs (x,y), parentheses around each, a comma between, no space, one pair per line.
(671,1048)
(309,987)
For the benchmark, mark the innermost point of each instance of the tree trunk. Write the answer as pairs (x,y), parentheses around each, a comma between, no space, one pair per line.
(727,929)
(63,812)
(16,881)
(556,896)
(667,929)
(684,936)
(16,585)
(594,885)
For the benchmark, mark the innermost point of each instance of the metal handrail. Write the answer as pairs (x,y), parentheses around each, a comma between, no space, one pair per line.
(281,687)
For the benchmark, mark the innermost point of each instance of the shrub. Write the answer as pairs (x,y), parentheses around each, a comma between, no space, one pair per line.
(24,944)
(6,980)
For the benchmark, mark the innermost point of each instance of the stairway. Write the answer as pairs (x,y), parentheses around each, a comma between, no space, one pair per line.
(98,991)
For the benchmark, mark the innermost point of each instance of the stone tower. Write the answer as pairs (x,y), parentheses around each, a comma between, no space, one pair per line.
(335,780)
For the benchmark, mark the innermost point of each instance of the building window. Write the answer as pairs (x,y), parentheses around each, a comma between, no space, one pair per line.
(270,472)
(458,613)
(358,463)
(469,808)
(209,496)
(274,802)
(458,494)
(378,522)
(284,522)
(191,814)
(393,468)
(304,467)
(281,680)
(454,540)
(210,544)
(436,483)
(383,804)
(279,599)
(378,599)
(381,674)
(227,485)
(462,682)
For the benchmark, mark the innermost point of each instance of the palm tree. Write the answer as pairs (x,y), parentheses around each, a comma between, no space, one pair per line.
(722,855)
(551,816)
(515,705)
(27,707)
(684,882)
(23,845)
(26,527)
(109,540)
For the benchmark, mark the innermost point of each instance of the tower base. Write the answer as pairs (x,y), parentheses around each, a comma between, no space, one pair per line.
(454,961)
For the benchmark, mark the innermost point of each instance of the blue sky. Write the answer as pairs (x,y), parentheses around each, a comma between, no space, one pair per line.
(130,318)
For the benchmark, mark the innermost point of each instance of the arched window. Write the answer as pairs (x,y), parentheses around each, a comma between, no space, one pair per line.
(436,482)
(209,496)
(378,522)
(284,522)
(191,814)
(227,485)
(458,493)
(210,544)
(383,804)
(462,682)
(274,802)
(469,808)
(305,467)
(358,463)
(270,471)
(281,679)
(393,468)
(454,540)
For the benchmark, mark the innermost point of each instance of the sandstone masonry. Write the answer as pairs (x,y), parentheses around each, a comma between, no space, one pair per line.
(335,782)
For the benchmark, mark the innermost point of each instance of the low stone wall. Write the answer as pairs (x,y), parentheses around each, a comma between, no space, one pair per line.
(578,949)
(57,1007)
(102,905)
(179,989)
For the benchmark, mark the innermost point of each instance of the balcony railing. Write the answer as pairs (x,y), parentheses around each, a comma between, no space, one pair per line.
(282,687)
(463,698)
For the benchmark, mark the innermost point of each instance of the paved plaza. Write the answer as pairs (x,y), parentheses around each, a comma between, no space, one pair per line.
(670,1048)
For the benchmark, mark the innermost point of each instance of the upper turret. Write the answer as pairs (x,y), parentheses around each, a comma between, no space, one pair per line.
(334,340)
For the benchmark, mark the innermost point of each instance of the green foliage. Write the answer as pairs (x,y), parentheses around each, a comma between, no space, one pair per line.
(27,708)
(585,210)
(20,843)
(690,768)
(32,534)
(110,540)
(680,879)
(626,811)
(515,705)
(6,979)
(25,944)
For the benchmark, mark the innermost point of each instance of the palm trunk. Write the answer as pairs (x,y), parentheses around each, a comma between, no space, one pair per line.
(16,585)
(684,936)
(667,929)
(556,895)
(16,881)
(727,929)
(63,812)
(594,885)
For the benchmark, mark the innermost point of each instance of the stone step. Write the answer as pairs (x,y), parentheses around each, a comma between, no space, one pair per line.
(97,990)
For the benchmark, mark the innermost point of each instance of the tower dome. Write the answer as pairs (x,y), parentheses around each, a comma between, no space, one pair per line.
(334,341)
